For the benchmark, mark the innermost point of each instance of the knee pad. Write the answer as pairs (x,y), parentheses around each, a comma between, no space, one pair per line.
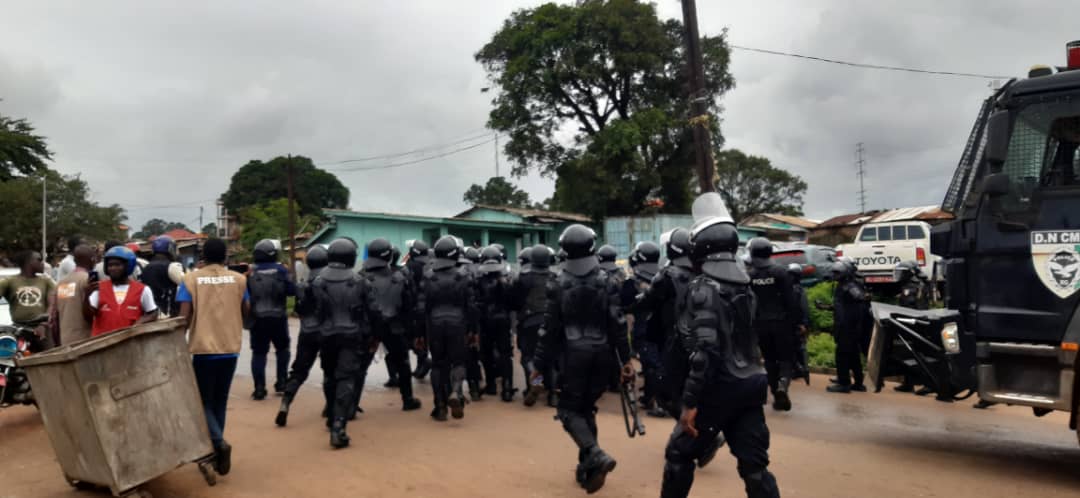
(761,484)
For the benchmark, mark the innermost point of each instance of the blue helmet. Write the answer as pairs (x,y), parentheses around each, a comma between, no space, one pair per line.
(122,253)
(164,245)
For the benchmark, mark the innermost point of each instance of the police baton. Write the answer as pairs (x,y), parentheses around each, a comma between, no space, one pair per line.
(628,394)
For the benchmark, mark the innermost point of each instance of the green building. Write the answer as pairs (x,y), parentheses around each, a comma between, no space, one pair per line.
(479,226)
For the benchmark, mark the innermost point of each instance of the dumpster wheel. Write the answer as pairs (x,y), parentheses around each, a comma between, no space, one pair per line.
(207,473)
(137,493)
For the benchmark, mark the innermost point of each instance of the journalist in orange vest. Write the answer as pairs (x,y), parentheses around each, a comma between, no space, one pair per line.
(120,301)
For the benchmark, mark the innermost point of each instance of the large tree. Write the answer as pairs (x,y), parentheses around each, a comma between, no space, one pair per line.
(270,220)
(752,185)
(210,229)
(258,181)
(70,212)
(594,94)
(157,226)
(497,192)
(21,151)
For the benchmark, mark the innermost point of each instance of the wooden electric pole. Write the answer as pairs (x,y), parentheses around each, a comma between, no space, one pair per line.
(292,216)
(699,111)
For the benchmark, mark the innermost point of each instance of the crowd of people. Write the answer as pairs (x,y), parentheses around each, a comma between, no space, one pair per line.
(714,335)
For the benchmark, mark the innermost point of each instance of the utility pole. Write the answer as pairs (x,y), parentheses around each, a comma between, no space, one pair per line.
(292,218)
(44,223)
(860,165)
(200,218)
(699,117)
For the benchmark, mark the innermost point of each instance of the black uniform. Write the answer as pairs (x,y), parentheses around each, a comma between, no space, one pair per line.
(802,367)
(341,303)
(913,295)
(530,303)
(849,316)
(726,386)
(665,299)
(474,370)
(156,276)
(774,324)
(269,286)
(494,303)
(391,299)
(308,343)
(449,312)
(414,269)
(584,321)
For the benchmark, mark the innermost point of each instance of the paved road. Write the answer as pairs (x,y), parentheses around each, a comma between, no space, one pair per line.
(846,446)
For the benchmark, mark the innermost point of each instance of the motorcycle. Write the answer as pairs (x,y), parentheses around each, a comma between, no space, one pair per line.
(16,342)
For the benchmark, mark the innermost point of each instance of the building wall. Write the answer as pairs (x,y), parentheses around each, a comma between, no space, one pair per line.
(493,215)
(364,230)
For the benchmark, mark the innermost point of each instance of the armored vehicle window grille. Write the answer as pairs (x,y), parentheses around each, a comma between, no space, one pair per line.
(1024,161)
(966,170)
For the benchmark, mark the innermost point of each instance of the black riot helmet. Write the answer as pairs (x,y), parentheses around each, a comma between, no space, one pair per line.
(342,253)
(379,254)
(842,270)
(678,246)
(579,242)
(265,251)
(395,256)
(759,248)
(418,250)
(714,240)
(645,260)
(540,258)
(607,254)
(446,252)
(501,248)
(525,256)
(795,271)
(316,257)
(906,271)
(491,260)
(473,254)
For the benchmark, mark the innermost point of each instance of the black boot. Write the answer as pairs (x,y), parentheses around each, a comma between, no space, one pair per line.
(553,399)
(508,390)
(338,437)
(279,388)
(457,406)
(490,388)
(259,394)
(474,390)
(223,458)
(781,400)
(410,404)
(596,467)
(423,366)
(283,412)
(392,383)
(439,412)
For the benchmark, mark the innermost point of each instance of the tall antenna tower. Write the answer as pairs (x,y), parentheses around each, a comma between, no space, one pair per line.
(860,165)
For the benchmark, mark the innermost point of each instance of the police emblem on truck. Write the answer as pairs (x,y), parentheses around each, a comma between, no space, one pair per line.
(1056,256)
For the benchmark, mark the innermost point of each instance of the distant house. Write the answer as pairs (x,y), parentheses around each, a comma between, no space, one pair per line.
(478,226)
(842,229)
(781,227)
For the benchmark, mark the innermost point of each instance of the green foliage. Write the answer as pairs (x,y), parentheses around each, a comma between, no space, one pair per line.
(209,229)
(612,73)
(821,320)
(70,212)
(269,220)
(752,185)
(497,192)
(821,350)
(157,226)
(21,151)
(256,182)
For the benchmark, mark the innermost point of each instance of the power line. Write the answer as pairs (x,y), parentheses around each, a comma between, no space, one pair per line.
(415,161)
(428,148)
(871,66)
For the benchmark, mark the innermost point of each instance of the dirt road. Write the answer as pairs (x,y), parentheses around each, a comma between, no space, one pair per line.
(884,445)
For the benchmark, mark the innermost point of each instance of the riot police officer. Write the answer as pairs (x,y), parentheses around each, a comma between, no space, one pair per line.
(493,301)
(774,322)
(309,341)
(607,255)
(469,260)
(450,313)
(269,286)
(584,322)
(726,387)
(341,303)
(419,258)
(163,274)
(524,259)
(391,298)
(530,303)
(802,324)
(645,264)
(913,295)
(849,315)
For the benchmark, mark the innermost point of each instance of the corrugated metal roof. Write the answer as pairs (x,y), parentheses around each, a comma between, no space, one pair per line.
(792,220)
(920,213)
(847,219)
(532,213)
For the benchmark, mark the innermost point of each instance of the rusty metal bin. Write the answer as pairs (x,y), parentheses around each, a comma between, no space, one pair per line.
(123,408)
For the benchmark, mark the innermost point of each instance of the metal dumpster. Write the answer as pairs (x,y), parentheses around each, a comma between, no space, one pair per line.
(122,408)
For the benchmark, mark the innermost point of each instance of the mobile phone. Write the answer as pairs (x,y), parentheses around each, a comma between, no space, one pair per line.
(93,276)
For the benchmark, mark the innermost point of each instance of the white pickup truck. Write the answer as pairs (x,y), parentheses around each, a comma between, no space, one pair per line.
(879,247)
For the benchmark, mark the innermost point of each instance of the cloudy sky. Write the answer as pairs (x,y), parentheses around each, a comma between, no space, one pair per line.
(156,104)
